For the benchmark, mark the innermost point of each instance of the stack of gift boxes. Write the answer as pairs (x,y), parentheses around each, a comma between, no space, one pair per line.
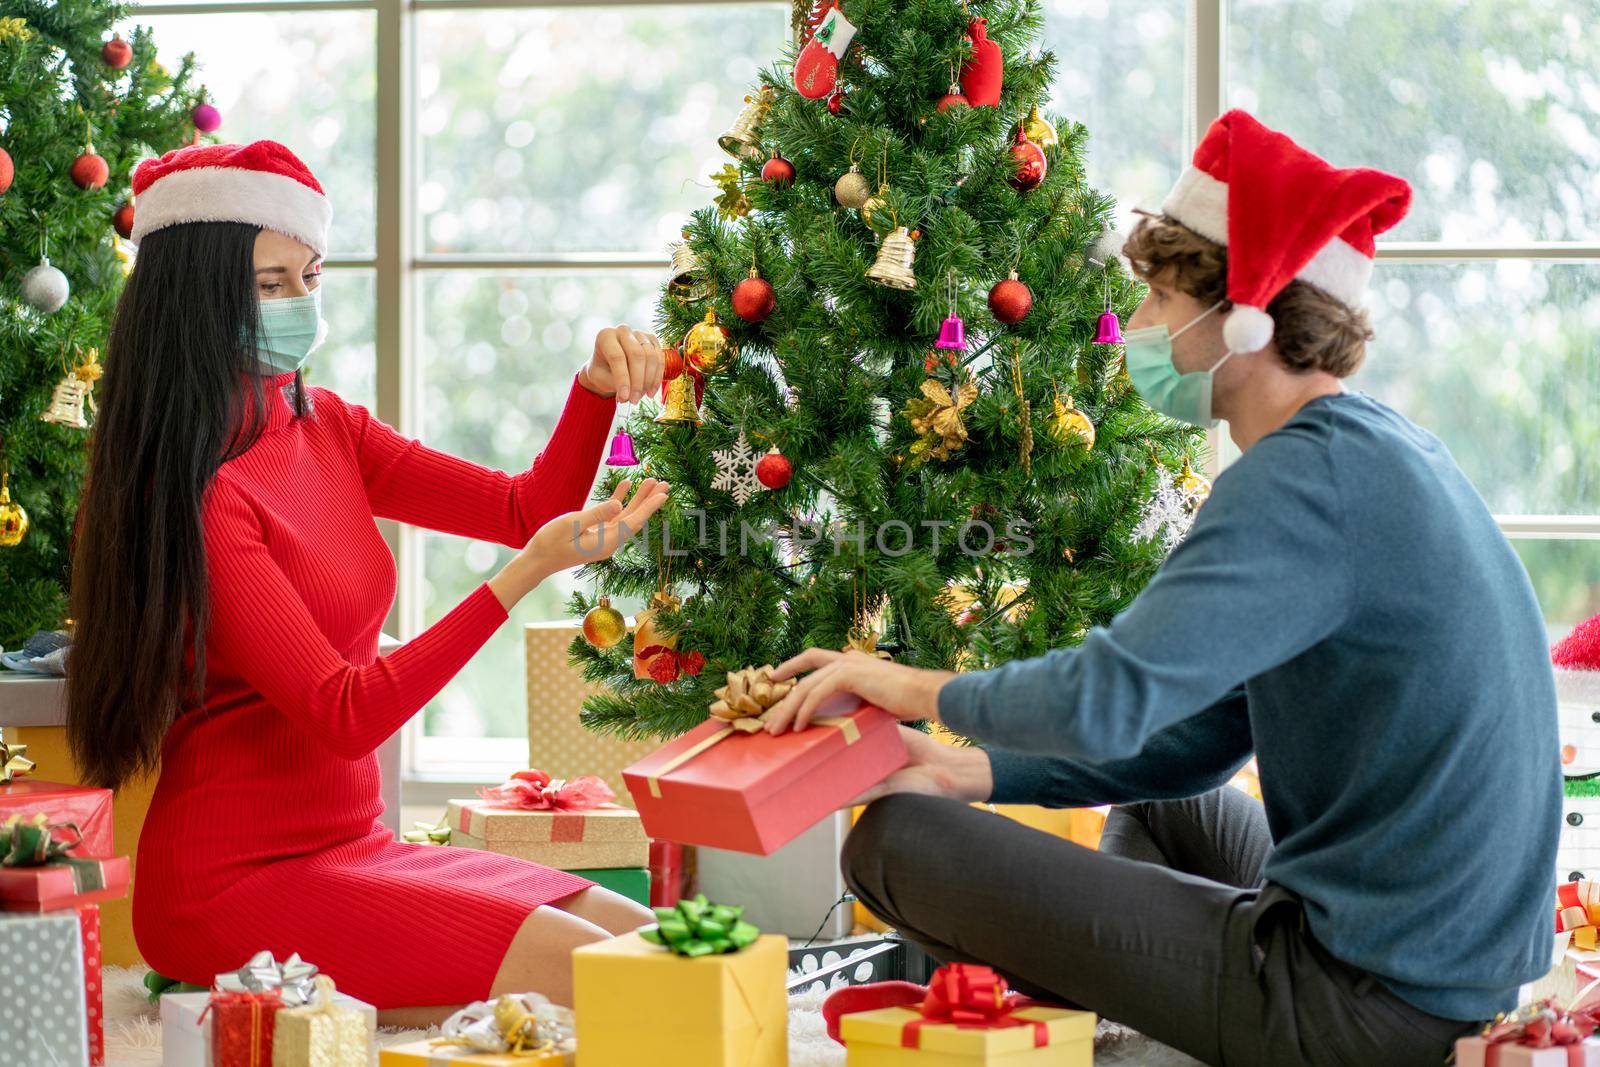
(56,868)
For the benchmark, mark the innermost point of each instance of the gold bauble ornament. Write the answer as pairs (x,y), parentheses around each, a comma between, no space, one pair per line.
(13,519)
(603,625)
(708,346)
(875,203)
(852,190)
(1068,424)
(645,633)
(1037,129)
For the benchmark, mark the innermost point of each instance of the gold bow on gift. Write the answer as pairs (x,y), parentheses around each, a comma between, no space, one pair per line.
(936,416)
(14,761)
(748,696)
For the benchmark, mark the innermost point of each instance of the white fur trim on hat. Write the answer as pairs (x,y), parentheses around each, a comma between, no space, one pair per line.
(232,194)
(1247,329)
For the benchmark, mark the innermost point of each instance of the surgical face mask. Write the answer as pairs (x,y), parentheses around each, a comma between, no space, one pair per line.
(1185,397)
(290,330)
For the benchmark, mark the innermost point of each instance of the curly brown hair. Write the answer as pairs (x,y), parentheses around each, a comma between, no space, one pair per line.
(1312,330)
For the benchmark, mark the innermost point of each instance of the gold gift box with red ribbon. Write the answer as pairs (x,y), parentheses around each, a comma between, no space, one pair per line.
(601,838)
(969,1017)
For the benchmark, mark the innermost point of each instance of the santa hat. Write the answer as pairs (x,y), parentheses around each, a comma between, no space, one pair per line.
(262,183)
(1283,213)
(1576,659)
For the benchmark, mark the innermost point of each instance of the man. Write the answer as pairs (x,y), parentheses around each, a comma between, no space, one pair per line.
(1344,607)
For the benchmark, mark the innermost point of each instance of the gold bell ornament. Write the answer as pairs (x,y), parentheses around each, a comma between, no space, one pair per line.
(708,346)
(1193,485)
(681,408)
(13,519)
(1069,424)
(686,283)
(743,139)
(66,403)
(1037,129)
(895,257)
(603,625)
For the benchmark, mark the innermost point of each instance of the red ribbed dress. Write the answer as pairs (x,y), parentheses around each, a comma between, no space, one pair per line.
(263,831)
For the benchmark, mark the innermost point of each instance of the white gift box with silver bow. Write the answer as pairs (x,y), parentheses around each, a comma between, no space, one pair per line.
(186,1040)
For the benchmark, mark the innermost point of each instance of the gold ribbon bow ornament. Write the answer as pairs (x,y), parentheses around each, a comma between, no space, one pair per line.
(748,696)
(936,417)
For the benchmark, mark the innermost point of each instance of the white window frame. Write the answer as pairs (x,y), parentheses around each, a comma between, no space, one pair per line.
(442,765)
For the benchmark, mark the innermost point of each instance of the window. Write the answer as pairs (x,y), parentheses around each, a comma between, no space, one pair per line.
(507,177)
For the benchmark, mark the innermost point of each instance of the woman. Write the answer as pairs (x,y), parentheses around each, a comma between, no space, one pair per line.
(229,584)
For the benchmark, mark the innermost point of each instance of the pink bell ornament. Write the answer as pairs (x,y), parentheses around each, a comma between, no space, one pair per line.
(1109,332)
(622,451)
(952,332)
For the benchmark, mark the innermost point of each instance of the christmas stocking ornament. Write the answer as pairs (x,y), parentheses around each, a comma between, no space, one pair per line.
(983,72)
(816,69)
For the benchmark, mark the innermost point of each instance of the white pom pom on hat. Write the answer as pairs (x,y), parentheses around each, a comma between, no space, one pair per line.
(1283,213)
(1247,329)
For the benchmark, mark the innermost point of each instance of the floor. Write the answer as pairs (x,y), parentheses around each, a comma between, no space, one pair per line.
(133,1032)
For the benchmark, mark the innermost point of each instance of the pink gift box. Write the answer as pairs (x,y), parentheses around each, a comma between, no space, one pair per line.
(1476,1052)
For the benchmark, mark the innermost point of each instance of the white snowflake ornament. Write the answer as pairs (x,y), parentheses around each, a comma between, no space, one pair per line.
(736,470)
(1169,513)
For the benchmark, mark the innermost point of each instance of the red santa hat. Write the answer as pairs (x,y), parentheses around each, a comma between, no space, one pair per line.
(1283,213)
(1576,660)
(262,183)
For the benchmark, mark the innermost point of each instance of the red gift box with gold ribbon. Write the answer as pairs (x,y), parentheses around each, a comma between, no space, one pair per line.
(750,791)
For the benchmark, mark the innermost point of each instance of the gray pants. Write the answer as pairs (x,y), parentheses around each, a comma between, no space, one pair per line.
(1170,928)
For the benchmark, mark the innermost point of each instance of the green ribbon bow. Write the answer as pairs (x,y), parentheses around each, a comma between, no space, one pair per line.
(428,834)
(29,842)
(698,927)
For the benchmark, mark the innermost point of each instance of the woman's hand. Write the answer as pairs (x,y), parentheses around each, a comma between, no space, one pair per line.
(937,770)
(578,537)
(909,694)
(626,364)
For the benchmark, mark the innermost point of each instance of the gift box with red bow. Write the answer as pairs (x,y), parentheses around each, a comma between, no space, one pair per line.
(729,784)
(1541,1034)
(569,825)
(968,1016)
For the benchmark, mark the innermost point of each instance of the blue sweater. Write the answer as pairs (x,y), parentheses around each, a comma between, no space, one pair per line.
(1345,608)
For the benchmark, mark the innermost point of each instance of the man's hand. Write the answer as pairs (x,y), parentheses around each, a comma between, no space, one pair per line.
(626,364)
(909,694)
(938,770)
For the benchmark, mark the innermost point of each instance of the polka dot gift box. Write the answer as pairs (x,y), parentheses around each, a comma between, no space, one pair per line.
(42,990)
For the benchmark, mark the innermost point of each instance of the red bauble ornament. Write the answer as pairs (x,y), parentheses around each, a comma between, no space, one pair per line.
(123,221)
(206,118)
(778,171)
(982,74)
(753,298)
(90,171)
(671,364)
(7,171)
(1010,300)
(1031,164)
(952,98)
(835,102)
(774,470)
(116,53)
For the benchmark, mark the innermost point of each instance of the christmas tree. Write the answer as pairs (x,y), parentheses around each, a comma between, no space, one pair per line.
(902,423)
(79,107)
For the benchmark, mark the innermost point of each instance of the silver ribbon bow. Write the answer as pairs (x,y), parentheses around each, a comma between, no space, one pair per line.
(516,1020)
(294,979)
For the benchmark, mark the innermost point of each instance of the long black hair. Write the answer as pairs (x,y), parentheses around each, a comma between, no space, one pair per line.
(173,408)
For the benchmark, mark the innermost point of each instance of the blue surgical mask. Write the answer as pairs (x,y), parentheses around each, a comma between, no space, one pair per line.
(1185,397)
(290,329)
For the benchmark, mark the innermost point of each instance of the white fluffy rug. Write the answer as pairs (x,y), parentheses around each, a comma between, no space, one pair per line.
(133,1032)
